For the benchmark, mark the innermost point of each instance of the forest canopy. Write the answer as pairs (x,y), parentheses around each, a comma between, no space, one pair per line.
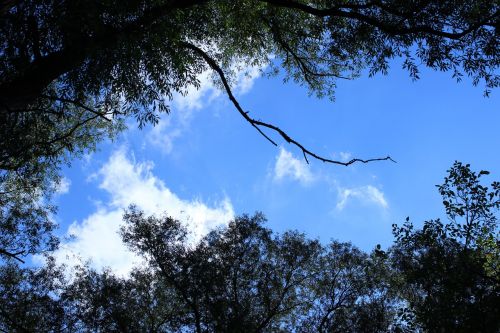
(443,277)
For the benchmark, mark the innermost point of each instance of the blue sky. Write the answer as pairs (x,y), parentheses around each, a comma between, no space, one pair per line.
(203,163)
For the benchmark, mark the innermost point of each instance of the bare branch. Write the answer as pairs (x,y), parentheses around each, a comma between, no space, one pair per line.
(12,255)
(257,123)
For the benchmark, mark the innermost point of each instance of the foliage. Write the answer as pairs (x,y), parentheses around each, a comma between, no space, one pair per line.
(65,66)
(449,271)
(470,206)
(28,299)
(102,302)
(442,277)
(25,211)
(242,279)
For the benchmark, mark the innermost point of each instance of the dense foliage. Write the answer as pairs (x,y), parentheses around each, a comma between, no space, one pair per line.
(443,277)
(450,271)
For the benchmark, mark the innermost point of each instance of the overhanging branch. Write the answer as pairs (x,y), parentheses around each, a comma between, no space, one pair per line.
(391,29)
(257,124)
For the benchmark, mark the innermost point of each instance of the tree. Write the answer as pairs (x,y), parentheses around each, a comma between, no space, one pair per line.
(29,299)
(234,280)
(103,302)
(243,279)
(449,274)
(443,277)
(25,211)
(349,293)
(29,177)
(240,278)
(106,59)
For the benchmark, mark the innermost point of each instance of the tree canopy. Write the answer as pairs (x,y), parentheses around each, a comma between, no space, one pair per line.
(442,277)
(450,270)
(67,67)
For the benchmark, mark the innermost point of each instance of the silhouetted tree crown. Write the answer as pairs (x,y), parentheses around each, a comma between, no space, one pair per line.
(450,272)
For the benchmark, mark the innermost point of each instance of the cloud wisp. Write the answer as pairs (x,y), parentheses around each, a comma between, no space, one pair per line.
(365,194)
(289,167)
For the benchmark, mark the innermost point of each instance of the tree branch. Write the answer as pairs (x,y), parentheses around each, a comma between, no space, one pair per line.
(12,255)
(257,124)
(387,28)
(78,104)
(300,61)
(71,131)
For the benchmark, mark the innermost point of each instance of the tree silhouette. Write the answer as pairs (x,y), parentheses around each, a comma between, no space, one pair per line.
(450,273)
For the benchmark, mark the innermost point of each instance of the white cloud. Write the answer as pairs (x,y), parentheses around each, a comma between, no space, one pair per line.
(128,182)
(164,133)
(288,166)
(62,187)
(171,126)
(366,194)
(197,97)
